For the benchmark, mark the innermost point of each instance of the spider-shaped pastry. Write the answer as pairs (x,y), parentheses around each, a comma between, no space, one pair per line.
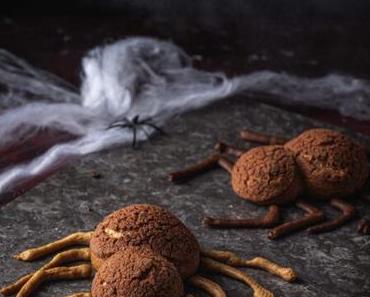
(319,163)
(140,250)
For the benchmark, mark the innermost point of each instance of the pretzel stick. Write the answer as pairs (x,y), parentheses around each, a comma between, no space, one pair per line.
(233,259)
(312,216)
(207,285)
(212,265)
(270,219)
(262,138)
(226,164)
(224,148)
(190,172)
(79,238)
(348,212)
(61,258)
(74,272)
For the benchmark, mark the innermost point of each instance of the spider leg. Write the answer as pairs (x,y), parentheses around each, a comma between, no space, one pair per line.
(194,170)
(142,128)
(135,124)
(134,130)
(212,265)
(233,259)
(124,122)
(73,272)
(118,125)
(227,149)
(348,212)
(262,138)
(79,238)
(149,119)
(82,254)
(313,215)
(270,219)
(226,164)
(201,167)
(207,285)
(135,120)
(155,127)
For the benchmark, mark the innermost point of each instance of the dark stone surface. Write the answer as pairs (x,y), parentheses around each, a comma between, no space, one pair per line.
(334,264)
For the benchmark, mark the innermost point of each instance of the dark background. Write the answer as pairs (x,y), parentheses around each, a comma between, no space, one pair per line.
(223,8)
(308,38)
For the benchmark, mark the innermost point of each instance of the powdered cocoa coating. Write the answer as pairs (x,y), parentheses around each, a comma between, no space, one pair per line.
(147,226)
(333,165)
(265,175)
(137,272)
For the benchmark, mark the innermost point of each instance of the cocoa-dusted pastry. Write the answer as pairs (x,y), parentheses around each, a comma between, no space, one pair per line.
(146,226)
(266,174)
(333,165)
(142,233)
(137,272)
(319,163)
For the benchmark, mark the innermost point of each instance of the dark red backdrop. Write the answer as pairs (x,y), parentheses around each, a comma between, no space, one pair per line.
(319,46)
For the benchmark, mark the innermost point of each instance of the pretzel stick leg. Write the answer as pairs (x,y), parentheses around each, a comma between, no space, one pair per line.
(192,171)
(226,164)
(232,259)
(61,258)
(270,219)
(262,138)
(348,212)
(313,216)
(207,285)
(79,238)
(224,148)
(74,272)
(212,265)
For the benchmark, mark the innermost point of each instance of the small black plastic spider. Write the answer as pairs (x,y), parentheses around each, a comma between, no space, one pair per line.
(136,124)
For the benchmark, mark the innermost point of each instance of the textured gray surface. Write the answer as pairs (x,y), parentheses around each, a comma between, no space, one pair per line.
(334,264)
